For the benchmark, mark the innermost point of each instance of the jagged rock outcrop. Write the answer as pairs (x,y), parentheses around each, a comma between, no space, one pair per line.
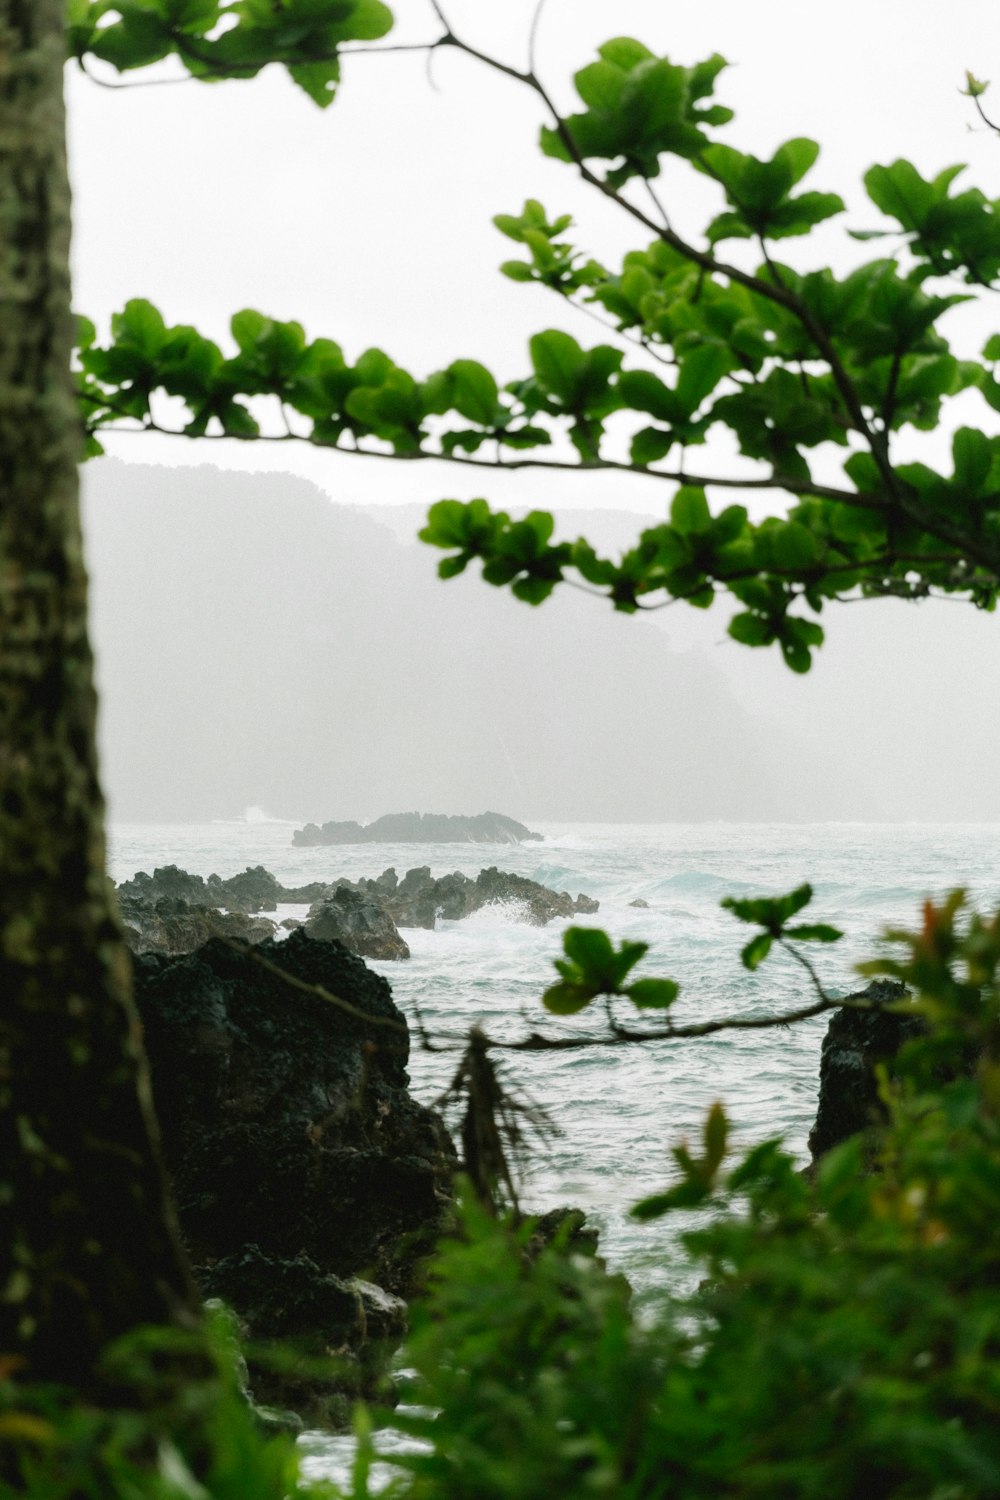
(174,912)
(419,899)
(252,891)
(170,925)
(541,905)
(291,1139)
(418,828)
(357,920)
(301,1307)
(856,1042)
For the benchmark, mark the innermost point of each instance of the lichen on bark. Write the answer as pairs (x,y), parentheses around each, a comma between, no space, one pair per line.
(88,1249)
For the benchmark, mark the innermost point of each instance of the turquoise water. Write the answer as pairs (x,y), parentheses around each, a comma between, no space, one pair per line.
(621,1108)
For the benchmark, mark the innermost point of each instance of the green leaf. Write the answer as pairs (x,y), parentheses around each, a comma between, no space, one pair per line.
(793,546)
(558,362)
(590,947)
(751,630)
(566,999)
(475,393)
(688,1194)
(972,452)
(653,994)
(601,84)
(625,52)
(237,421)
(517,270)
(755,952)
(716,1133)
(701,370)
(770,911)
(815,932)
(533,590)
(689,512)
(649,445)
(644,391)
(140,325)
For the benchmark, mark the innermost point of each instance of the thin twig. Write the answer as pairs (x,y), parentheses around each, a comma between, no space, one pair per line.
(533,35)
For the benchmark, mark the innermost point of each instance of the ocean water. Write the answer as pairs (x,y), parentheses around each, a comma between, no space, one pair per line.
(619,1109)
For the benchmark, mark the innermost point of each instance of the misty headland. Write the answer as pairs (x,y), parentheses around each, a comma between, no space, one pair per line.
(260,645)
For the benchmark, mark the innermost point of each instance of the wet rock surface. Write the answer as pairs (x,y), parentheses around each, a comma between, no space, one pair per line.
(298,1158)
(361,923)
(418,828)
(172,926)
(420,899)
(173,912)
(300,1307)
(856,1042)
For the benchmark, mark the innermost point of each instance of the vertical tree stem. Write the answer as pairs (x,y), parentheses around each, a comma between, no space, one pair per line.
(88,1248)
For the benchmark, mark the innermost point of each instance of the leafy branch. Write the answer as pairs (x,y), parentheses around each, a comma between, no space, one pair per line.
(787,363)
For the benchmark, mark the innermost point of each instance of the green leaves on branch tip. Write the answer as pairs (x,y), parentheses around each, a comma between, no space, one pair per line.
(699,1175)
(773,913)
(957,234)
(755,952)
(769,911)
(514,552)
(217,39)
(594,966)
(759,192)
(653,994)
(638,107)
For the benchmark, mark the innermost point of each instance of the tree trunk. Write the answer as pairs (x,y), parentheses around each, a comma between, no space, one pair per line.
(88,1247)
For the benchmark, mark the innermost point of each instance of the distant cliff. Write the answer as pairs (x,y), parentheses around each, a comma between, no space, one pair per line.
(259,645)
(418,828)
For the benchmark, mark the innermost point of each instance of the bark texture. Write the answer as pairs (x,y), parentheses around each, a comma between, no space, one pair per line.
(87,1246)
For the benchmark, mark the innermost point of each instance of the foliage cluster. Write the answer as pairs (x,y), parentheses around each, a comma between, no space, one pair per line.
(801,369)
(216,39)
(845,1336)
(147,1435)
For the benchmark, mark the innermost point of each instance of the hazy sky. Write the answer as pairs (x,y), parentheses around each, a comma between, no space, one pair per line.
(370,223)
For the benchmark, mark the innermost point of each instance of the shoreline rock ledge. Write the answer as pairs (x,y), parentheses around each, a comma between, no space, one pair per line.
(418,828)
(309,1182)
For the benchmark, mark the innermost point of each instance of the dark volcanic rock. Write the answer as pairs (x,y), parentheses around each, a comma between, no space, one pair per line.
(540,904)
(856,1042)
(418,900)
(293,1301)
(168,925)
(255,890)
(359,922)
(286,1121)
(174,912)
(419,828)
(167,882)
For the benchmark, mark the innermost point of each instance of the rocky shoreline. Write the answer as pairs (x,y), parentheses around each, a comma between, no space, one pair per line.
(309,1183)
(174,912)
